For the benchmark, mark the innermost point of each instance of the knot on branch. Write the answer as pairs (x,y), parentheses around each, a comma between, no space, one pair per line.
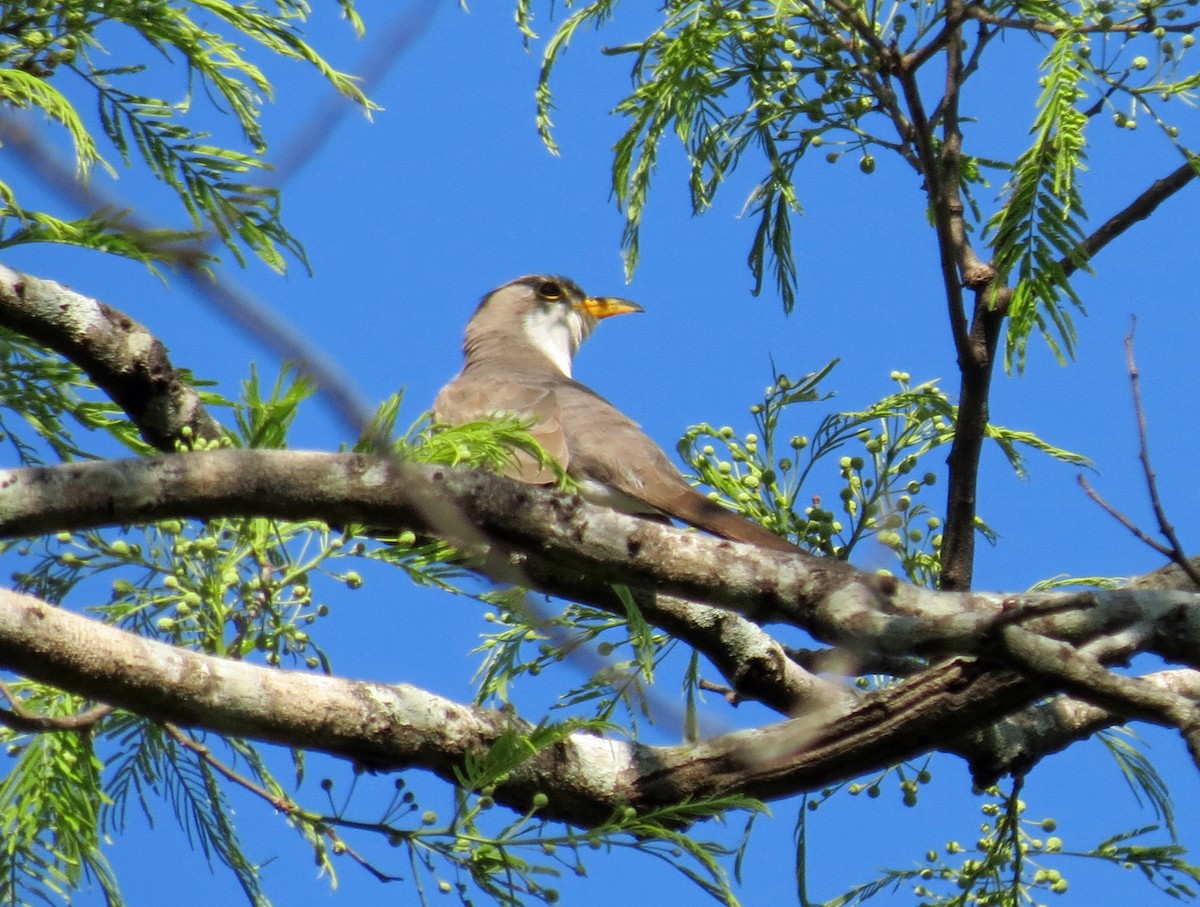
(978,275)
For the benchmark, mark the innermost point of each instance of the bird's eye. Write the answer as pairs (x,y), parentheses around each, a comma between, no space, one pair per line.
(549,290)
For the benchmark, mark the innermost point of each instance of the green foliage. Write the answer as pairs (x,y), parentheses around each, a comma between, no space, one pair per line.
(241,588)
(223,189)
(50,808)
(492,445)
(251,589)
(764,85)
(23,89)
(516,862)
(1145,783)
(44,400)
(229,587)
(107,232)
(1038,232)
(263,420)
(732,80)
(1016,860)
(257,589)
(528,642)
(878,483)
(151,764)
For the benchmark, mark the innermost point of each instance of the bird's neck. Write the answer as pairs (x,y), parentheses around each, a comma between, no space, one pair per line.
(554,336)
(535,339)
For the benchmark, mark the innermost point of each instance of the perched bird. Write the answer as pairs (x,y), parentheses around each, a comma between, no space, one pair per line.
(519,347)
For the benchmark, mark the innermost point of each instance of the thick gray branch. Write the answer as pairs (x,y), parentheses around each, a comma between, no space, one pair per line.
(1020,741)
(561,545)
(396,726)
(124,359)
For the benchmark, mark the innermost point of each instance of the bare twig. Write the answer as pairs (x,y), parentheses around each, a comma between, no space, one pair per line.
(731,695)
(1177,554)
(1139,209)
(383,55)
(1121,518)
(235,303)
(205,753)
(978,11)
(1173,549)
(942,216)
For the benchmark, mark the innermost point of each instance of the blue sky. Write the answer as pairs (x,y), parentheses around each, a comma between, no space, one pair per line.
(448,192)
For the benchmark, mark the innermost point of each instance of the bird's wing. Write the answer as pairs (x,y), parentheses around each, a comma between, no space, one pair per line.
(597,445)
(607,446)
(470,399)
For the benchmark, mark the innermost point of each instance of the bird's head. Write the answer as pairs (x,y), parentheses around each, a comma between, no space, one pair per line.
(551,314)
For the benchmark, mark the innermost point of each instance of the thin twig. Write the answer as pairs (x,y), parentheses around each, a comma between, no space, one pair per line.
(1139,209)
(234,303)
(976,11)
(18,718)
(1121,518)
(1177,554)
(731,695)
(282,804)
(206,755)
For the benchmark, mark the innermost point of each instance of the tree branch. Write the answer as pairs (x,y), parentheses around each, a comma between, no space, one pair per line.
(1017,743)
(980,12)
(397,726)
(563,546)
(1064,667)
(1137,210)
(755,665)
(566,546)
(977,346)
(19,718)
(121,356)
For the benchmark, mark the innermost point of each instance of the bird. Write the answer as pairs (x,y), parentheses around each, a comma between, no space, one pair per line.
(518,352)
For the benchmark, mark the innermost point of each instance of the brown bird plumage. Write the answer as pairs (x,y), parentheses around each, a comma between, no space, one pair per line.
(518,350)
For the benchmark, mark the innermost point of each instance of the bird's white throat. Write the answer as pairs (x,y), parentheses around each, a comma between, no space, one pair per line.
(556,330)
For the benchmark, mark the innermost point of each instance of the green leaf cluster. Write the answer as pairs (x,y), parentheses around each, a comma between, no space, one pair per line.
(151,765)
(45,401)
(731,80)
(764,85)
(1038,232)
(223,189)
(51,808)
(881,469)
(1016,860)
